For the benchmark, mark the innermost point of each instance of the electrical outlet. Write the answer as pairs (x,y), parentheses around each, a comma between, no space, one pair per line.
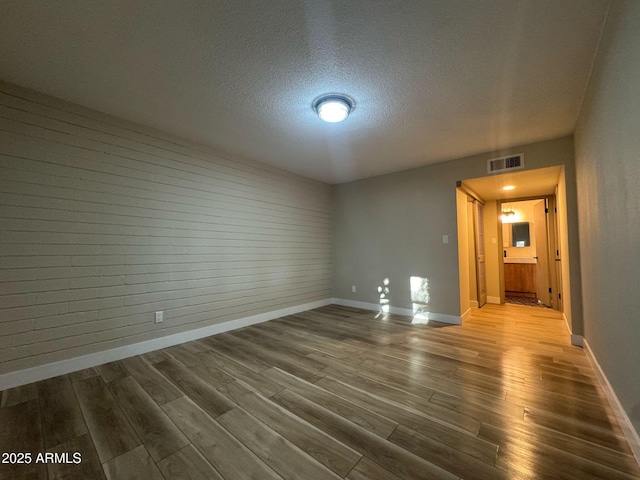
(353,288)
(445,238)
(159,317)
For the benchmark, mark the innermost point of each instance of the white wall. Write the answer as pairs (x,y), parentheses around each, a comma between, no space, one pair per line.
(104,222)
(607,143)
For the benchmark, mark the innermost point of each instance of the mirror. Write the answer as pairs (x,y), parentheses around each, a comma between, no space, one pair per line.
(520,234)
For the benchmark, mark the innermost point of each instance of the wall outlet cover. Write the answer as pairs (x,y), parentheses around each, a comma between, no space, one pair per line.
(159,317)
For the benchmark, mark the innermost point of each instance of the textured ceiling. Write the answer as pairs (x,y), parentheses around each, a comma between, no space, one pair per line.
(433,80)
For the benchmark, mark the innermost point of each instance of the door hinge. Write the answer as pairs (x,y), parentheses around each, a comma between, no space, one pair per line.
(549,289)
(560,296)
(555,210)
(546,210)
(557,253)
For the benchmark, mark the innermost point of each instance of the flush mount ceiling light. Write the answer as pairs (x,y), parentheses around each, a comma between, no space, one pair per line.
(509,187)
(333,108)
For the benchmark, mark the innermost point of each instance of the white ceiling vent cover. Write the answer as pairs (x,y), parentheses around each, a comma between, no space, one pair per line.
(510,162)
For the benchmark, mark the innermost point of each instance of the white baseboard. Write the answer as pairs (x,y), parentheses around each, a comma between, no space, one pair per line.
(494,300)
(436,317)
(576,340)
(629,431)
(566,322)
(42,372)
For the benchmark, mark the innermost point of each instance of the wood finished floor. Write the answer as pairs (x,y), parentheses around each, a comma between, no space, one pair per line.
(332,393)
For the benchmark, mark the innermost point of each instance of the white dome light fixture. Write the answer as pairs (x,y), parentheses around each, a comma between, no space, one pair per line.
(333,108)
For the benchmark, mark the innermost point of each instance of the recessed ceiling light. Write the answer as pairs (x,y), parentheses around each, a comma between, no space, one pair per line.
(333,108)
(509,187)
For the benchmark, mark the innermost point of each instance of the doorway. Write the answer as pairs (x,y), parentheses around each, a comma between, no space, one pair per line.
(481,264)
(528,246)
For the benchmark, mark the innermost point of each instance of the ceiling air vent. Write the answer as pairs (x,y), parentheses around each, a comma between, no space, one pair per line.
(511,162)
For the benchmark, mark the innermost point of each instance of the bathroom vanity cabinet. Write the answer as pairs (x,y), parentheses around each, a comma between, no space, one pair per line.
(520,279)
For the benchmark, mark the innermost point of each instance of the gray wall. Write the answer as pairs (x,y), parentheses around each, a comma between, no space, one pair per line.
(608,171)
(392,226)
(104,222)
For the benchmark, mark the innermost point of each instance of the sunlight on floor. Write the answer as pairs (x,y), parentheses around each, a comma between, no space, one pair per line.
(420,297)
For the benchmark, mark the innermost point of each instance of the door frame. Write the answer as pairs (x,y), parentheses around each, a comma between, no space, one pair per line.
(473,201)
(553,247)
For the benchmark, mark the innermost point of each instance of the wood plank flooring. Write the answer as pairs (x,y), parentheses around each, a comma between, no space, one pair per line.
(332,393)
